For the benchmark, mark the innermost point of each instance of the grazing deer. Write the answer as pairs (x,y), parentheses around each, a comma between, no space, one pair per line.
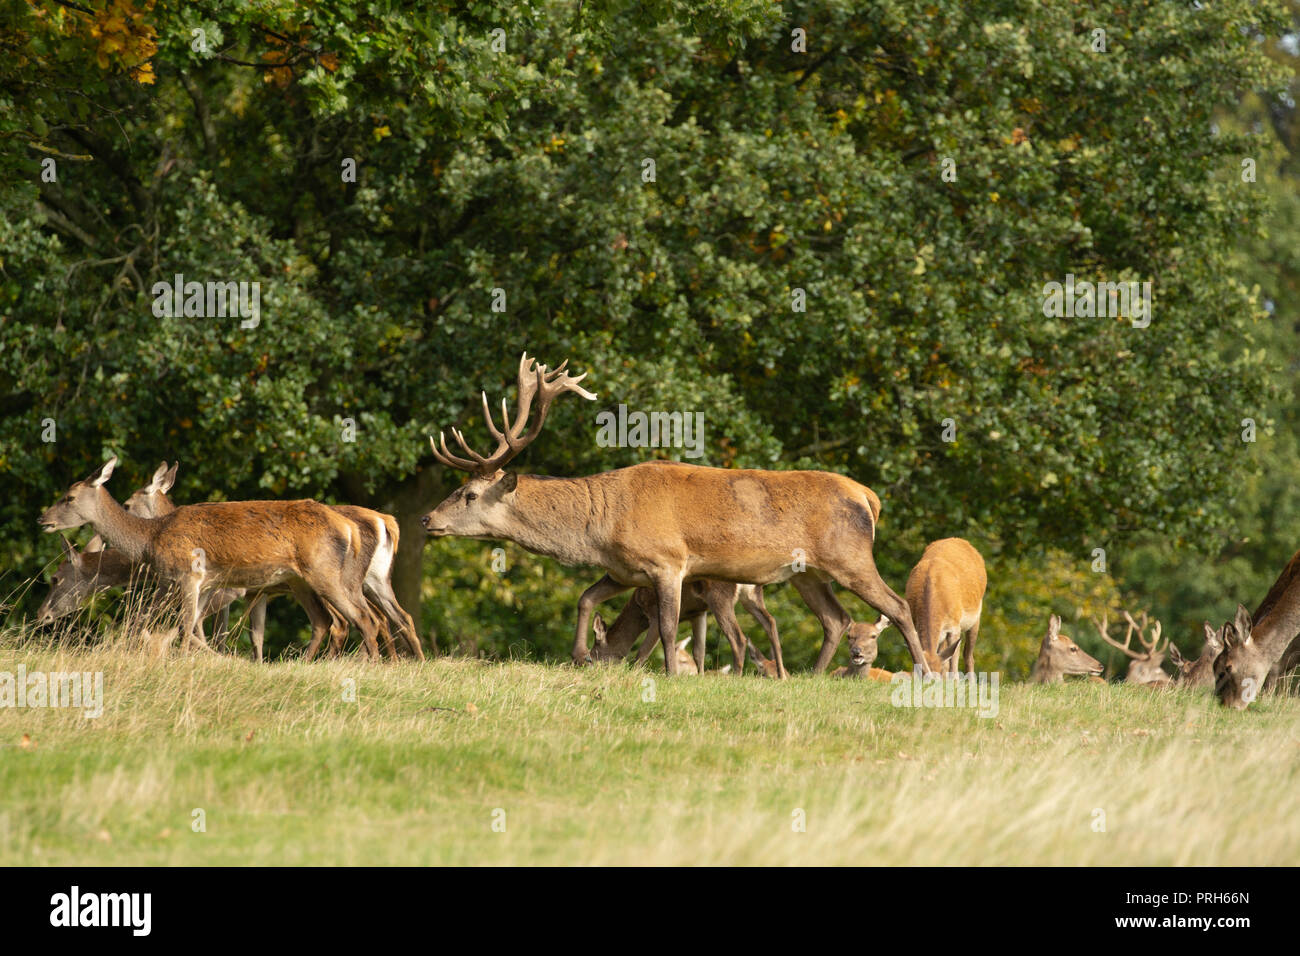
(1143,668)
(1059,657)
(1200,672)
(1260,649)
(945,593)
(82,575)
(662,524)
(237,544)
(379,540)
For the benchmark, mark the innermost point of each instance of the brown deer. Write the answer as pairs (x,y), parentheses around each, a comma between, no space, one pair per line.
(863,647)
(699,598)
(1260,650)
(1200,672)
(662,524)
(379,541)
(1059,657)
(685,661)
(945,593)
(1144,668)
(239,544)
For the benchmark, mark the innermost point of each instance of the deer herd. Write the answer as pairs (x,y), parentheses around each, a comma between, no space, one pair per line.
(687,540)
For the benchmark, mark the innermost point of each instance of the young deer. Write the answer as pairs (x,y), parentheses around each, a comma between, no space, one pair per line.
(945,593)
(863,646)
(239,544)
(379,539)
(699,598)
(662,524)
(1144,668)
(1059,657)
(1200,672)
(685,662)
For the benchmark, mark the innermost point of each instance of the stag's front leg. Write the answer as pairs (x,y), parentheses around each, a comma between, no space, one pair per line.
(602,590)
(668,594)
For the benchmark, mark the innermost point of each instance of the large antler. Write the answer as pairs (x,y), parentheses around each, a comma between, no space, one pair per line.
(1133,628)
(535,382)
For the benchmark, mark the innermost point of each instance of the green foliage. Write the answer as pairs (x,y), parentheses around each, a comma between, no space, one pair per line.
(521,169)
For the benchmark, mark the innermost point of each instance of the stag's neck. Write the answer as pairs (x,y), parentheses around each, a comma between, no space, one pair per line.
(556,517)
(121,529)
(1280,626)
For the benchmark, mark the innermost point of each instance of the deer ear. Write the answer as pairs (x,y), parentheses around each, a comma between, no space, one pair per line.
(1053,627)
(598,625)
(170,478)
(883,623)
(1175,654)
(508,482)
(69,551)
(105,472)
(1243,624)
(95,544)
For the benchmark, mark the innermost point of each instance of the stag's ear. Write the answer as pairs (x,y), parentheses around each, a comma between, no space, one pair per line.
(1243,624)
(95,544)
(105,472)
(508,482)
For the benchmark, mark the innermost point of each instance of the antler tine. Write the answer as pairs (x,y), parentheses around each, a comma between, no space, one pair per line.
(479,460)
(446,457)
(1128,638)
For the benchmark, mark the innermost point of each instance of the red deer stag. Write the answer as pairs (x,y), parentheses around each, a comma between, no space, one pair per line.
(662,524)
(1144,668)
(237,544)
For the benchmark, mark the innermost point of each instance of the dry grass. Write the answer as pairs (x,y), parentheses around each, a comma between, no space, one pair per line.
(716,770)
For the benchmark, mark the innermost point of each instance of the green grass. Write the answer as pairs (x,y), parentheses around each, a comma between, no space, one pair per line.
(712,771)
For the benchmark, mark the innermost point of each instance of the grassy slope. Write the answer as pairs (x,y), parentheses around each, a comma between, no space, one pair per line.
(587,772)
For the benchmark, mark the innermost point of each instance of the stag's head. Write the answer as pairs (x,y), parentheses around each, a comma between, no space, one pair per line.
(863,641)
(482,507)
(151,501)
(1059,656)
(79,503)
(1240,671)
(1145,665)
(74,580)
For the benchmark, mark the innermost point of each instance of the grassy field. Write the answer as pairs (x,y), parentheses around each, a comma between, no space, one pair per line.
(576,767)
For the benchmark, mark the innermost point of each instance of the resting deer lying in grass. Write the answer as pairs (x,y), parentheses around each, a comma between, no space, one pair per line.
(945,593)
(238,544)
(863,646)
(1059,657)
(379,539)
(685,661)
(1200,672)
(662,524)
(1144,668)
